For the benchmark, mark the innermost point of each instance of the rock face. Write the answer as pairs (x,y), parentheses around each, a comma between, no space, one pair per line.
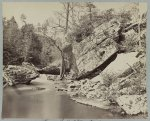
(106,78)
(133,104)
(96,49)
(19,74)
(94,57)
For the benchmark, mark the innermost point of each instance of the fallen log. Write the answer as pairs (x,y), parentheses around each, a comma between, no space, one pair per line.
(51,70)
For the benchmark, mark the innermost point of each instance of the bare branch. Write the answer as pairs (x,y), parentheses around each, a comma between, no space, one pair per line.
(64,6)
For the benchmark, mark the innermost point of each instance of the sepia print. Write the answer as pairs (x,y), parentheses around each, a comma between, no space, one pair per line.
(74,60)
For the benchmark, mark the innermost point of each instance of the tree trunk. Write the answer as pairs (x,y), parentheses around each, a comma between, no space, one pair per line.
(67,16)
(139,29)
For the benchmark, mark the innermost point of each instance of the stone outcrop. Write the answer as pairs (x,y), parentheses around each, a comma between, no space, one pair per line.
(94,50)
(19,74)
(133,104)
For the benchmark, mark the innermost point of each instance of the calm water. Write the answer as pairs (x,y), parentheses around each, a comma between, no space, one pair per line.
(48,105)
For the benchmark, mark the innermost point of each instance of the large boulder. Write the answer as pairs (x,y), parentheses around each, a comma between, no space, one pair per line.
(94,57)
(133,104)
(19,74)
(94,50)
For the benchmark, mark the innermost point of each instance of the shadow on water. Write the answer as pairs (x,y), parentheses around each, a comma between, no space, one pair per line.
(48,104)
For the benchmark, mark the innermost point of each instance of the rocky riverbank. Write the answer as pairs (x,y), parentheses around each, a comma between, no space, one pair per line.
(115,88)
(120,90)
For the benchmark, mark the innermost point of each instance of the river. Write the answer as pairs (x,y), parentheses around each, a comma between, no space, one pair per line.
(46,103)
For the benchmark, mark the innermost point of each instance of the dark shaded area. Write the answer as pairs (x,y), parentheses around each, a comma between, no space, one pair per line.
(121,36)
(34,51)
(51,70)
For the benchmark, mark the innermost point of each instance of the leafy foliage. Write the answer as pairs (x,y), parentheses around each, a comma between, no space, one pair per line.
(25,45)
(11,37)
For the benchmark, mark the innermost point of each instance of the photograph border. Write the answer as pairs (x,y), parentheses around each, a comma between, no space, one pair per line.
(147,52)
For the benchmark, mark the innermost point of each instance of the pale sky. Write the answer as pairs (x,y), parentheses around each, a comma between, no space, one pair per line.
(38,12)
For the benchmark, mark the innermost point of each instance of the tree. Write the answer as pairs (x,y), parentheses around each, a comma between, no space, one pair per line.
(11,38)
(44,29)
(23,18)
(27,36)
(90,7)
(67,16)
(39,28)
